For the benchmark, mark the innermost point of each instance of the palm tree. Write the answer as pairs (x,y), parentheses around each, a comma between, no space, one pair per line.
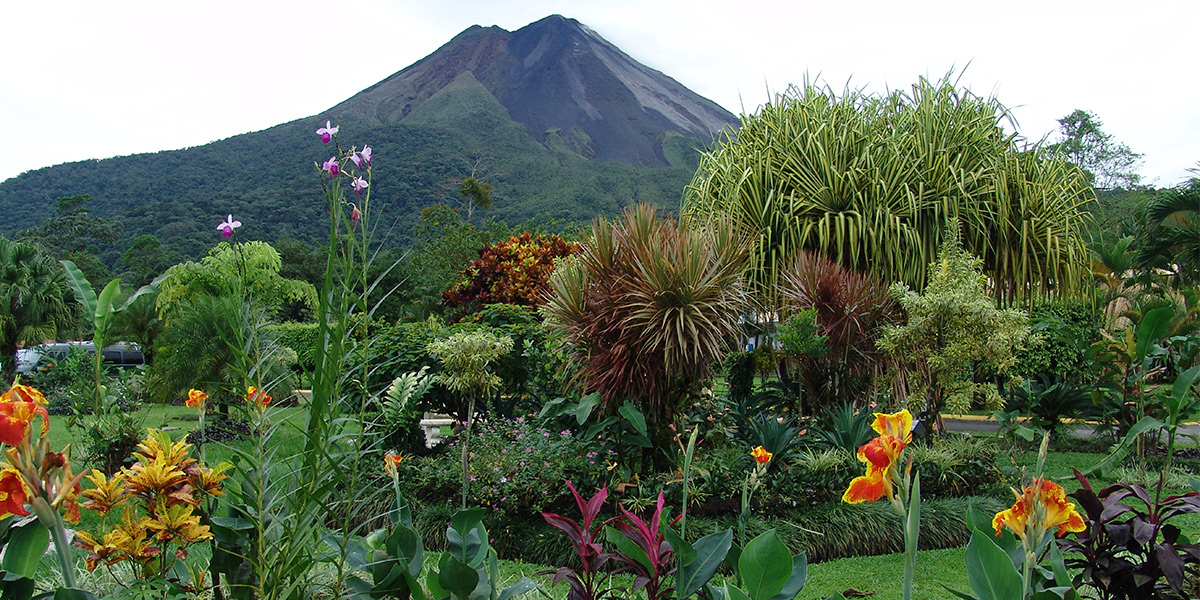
(871,181)
(1173,233)
(34,299)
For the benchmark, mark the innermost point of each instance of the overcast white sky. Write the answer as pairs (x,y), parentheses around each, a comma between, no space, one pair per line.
(86,79)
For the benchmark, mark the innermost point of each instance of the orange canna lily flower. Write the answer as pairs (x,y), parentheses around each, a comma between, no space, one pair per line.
(880,456)
(257,397)
(391,461)
(898,425)
(23,393)
(761,456)
(13,494)
(1044,498)
(196,399)
(15,418)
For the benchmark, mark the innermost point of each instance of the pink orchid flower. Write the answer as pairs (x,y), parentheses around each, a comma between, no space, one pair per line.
(228,226)
(331,166)
(366,155)
(327,132)
(359,184)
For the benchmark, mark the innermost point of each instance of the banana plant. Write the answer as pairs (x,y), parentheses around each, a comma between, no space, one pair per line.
(101,310)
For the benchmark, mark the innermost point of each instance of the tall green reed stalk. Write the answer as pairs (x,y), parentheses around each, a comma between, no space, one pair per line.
(277,543)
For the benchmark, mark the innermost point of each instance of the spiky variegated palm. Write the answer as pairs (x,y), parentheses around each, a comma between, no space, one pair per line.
(871,180)
(648,304)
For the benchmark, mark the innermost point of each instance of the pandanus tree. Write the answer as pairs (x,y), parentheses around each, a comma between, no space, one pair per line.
(648,304)
(871,180)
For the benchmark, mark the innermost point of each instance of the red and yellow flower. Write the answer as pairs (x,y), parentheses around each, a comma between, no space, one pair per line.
(24,393)
(761,455)
(196,399)
(257,397)
(14,494)
(15,419)
(391,461)
(880,456)
(1040,507)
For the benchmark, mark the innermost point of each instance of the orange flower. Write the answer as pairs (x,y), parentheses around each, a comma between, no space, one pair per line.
(15,418)
(898,425)
(196,399)
(23,393)
(761,456)
(13,494)
(391,461)
(257,397)
(1044,500)
(880,456)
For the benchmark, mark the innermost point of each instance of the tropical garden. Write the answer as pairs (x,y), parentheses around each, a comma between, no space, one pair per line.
(756,398)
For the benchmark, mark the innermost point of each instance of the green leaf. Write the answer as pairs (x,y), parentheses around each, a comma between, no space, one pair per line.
(17,588)
(521,586)
(466,537)
(149,288)
(635,418)
(685,553)
(25,548)
(734,593)
(1153,327)
(765,566)
(1142,426)
(990,571)
(627,547)
(104,310)
(587,404)
(707,554)
(796,581)
(456,577)
(84,293)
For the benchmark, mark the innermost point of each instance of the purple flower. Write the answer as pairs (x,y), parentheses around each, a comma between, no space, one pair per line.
(327,132)
(228,226)
(359,184)
(331,166)
(366,155)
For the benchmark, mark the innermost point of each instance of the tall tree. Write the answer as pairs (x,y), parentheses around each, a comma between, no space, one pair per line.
(73,233)
(1108,164)
(34,299)
(1173,233)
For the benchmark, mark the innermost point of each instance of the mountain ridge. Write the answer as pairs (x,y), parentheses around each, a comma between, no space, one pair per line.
(561,121)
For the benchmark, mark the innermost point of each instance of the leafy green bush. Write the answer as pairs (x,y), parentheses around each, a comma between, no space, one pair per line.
(739,374)
(302,339)
(516,469)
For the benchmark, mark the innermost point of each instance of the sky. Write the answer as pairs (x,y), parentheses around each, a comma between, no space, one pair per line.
(86,79)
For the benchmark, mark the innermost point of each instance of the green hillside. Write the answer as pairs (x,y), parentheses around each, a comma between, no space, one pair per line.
(267,178)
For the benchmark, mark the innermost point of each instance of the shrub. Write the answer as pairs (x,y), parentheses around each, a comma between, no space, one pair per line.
(514,271)
(739,374)
(302,339)
(516,469)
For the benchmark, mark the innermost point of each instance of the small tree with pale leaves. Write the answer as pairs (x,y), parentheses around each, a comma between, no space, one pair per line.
(465,358)
(952,326)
